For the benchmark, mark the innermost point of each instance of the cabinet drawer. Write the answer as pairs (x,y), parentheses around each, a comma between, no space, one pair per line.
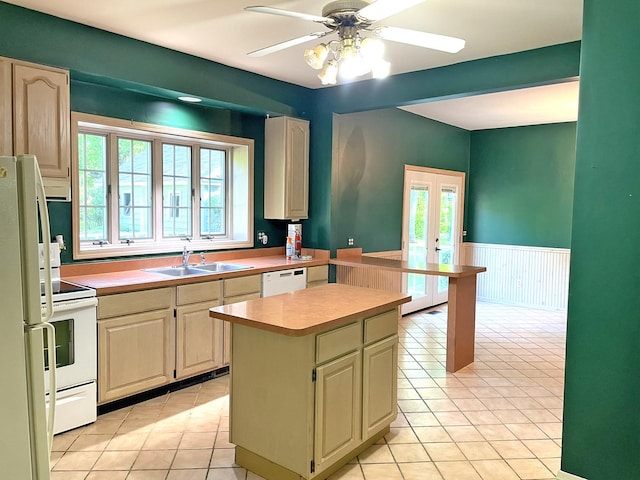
(318,274)
(134,302)
(241,298)
(380,326)
(242,285)
(199,292)
(338,342)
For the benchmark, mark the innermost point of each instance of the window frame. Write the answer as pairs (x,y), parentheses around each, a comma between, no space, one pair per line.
(239,191)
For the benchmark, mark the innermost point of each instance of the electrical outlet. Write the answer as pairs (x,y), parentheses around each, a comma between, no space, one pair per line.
(262,238)
(350,242)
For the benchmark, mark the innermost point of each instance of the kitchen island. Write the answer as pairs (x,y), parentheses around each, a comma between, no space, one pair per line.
(313,378)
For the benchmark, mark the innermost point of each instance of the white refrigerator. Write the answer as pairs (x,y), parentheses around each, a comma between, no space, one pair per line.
(25,431)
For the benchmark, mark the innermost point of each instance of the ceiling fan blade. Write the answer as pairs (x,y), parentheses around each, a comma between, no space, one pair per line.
(288,13)
(289,43)
(421,39)
(385,8)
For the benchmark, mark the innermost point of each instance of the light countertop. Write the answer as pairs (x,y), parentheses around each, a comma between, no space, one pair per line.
(311,310)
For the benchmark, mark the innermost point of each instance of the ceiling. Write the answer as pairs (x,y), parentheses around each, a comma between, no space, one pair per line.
(221,31)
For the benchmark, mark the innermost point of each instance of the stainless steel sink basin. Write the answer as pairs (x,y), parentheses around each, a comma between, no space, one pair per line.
(222,267)
(178,271)
(198,269)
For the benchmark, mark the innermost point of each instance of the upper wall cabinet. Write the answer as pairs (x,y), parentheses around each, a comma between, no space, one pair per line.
(35,119)
(286,176)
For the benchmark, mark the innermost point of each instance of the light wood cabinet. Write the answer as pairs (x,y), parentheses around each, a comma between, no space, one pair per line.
(198,336)
(36,120)
(286,178)
(303,406)
(239,289)
(318,275)
(134,353)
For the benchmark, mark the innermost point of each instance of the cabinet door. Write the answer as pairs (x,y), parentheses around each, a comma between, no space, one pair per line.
(338,409)
(198,340)
(379,382)
(41,118)
(297,186)
(135,353)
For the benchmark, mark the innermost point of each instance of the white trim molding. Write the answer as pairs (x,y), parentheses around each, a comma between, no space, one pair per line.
(535,277)
(568,476)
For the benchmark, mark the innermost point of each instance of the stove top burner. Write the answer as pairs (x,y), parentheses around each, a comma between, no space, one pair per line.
(68,291)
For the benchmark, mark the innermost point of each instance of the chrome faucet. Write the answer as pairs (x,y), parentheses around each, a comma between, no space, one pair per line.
(185,256)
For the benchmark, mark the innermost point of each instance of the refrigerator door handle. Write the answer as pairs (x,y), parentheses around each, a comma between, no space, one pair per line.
(51,360)
(46,241)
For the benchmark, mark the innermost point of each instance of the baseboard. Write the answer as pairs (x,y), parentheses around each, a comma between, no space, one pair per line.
(568,476)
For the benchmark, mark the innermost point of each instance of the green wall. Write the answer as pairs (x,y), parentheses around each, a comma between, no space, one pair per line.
(601,427)
(368,171)
(521,185)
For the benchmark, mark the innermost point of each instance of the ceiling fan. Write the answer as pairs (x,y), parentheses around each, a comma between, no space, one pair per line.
(358,49)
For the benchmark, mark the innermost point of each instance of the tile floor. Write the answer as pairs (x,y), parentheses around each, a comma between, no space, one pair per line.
(497,419)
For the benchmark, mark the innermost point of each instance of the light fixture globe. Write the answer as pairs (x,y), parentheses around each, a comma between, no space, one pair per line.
(329,74)
(316,56)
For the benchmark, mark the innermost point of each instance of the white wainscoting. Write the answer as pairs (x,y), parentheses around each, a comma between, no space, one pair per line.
(527,276)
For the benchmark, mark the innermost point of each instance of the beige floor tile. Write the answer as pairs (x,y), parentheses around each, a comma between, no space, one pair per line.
(451,418)
(102,426)
(526,431)
(401,435)
(530,469)
(422,419)
(351,471)
(389,471)
(227,474)
(223,457)
(66,475)
(194,440)
(494,470)
(444,452)
(512,449)
(495,432)
(200,458)
(511,416)
(420,471)
(378,453)
(413,406)
(464,433)
(62,442)
(116,460)
(108,475)
(162,441)
(457,471)
(154,460)
(77,461)
(190,474)
(129,441)
(432,434)
(543,448)
(408,453)
(148,475)
(478,450)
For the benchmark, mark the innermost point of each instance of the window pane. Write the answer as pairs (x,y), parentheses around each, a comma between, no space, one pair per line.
(92,175)
(212,191)
(176,191)
(134,189)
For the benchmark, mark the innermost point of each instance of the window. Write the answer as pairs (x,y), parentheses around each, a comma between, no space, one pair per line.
(140,188)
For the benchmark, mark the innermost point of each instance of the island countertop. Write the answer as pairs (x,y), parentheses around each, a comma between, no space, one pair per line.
(311,310)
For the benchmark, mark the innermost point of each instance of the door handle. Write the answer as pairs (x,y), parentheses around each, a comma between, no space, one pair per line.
(437,248)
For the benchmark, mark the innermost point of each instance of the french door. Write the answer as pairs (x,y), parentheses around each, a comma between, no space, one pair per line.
(431,231)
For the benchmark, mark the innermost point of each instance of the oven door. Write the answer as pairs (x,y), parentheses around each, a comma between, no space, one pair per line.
(76,355)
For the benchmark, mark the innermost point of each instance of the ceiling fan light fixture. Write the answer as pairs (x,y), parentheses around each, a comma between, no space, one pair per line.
(372,48)
(316,56)
(329,74)
(380,69)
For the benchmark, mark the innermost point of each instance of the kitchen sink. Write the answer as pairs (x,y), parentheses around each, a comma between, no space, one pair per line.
(197,269)
(221,267)
(178,271)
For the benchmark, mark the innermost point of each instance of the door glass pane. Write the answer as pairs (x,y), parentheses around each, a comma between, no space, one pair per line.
(92,191)
(176,191)
(418,234)
(212,191)
(134,189)
(446,239)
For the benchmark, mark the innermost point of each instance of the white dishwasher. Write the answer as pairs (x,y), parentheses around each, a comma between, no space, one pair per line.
(283,281)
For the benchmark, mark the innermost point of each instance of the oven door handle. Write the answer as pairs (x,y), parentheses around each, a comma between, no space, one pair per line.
(70,305)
